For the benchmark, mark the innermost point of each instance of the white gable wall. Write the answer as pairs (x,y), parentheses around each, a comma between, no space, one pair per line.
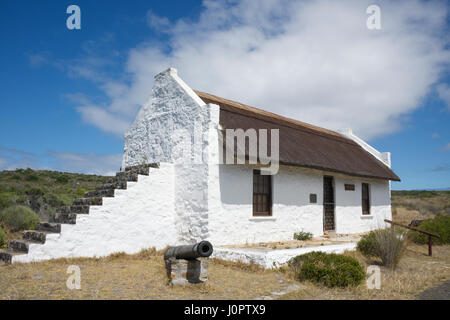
(173,126)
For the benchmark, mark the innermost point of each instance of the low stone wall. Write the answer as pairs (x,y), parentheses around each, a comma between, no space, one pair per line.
(274,258)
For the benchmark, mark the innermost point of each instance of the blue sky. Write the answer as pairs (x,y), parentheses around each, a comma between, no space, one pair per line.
(67,96)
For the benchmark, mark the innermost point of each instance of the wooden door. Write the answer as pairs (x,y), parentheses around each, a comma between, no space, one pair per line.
(328,203)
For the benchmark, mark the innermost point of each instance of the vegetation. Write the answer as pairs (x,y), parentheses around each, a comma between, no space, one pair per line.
(19,218)
(41,191)
(303,235)
(44,191)
(386,245)
(332,270)
(422,203)
(438,225)
(2,238)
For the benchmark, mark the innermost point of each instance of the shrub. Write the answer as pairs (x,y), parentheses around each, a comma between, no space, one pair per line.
(367,245)
(6,201)
(385,244)
(330,269)
(2,237)
(439,225)
(302,235)
(19,218)
(62,179)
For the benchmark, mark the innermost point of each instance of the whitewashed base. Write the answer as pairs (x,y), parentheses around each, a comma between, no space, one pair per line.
(274,258)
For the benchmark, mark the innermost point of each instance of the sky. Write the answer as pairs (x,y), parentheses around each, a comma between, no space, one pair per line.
(68,96)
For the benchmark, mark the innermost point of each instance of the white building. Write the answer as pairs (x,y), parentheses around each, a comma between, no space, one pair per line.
(326,181)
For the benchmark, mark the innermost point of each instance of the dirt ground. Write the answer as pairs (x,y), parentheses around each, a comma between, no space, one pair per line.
(143,276)
(415,273)
(292,244)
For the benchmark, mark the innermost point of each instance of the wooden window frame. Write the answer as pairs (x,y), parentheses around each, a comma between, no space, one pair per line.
(365,213)
(266,185)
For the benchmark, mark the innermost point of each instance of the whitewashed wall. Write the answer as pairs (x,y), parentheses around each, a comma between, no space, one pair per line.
(231,192)
(140,217)
(231,220)
(173,126)
(349,217)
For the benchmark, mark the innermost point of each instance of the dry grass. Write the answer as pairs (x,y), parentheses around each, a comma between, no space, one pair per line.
(143,276)
(415,273)
(140,276)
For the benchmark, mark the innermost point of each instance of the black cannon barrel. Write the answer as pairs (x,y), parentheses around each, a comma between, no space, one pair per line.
(203,249)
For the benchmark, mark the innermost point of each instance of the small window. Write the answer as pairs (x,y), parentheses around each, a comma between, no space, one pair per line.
(313,198)
(349,187)
(365,199)
(262,194)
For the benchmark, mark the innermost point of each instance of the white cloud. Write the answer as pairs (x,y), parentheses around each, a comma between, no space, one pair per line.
(103,119)
(444,93)
(156,22)
(90,163)
(102,164)
(446,147)
(314,61)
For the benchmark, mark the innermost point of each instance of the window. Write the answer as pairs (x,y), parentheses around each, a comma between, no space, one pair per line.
(262,194)
(313,198)
(365,199)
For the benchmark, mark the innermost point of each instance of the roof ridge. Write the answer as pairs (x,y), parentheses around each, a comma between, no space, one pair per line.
(298,124)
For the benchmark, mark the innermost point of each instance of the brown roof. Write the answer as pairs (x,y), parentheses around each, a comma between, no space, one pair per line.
(303,144)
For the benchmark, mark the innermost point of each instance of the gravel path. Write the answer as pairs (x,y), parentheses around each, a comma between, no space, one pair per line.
(441,292)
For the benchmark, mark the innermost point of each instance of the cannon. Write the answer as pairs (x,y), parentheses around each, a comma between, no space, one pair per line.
(183,264)
(203,249)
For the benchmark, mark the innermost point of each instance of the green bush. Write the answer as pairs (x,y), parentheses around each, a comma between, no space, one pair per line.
(330,269)
(19,218)
(6,201)
(303,235)
(439,225)
(385,244)
(367,245)
(2,238)
(62,179)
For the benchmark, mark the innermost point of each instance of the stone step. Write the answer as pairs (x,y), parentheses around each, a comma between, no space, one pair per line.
(48,227)
(66,218)
(144,170)
(94,201)
(80,209)
(18,245)
(35,236)
(100,193)
(139,166)
(115,185)
(127,176)
(6,255)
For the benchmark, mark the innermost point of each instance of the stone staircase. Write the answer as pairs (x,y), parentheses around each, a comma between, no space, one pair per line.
(68,214)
